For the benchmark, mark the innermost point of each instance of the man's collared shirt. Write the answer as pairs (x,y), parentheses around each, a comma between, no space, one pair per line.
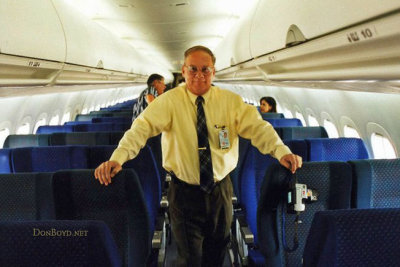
(174,115)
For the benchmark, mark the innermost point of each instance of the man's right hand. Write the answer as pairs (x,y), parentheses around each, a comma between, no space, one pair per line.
(106,171)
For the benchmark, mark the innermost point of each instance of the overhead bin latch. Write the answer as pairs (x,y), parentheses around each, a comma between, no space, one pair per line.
(294,36)
(100,64)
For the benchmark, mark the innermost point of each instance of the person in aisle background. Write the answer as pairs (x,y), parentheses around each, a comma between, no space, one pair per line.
(155,87)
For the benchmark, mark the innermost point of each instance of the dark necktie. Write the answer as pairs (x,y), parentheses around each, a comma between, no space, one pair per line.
(206,169)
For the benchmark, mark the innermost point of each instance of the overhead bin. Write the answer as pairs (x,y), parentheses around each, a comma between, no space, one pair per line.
(314,18)
(365,52)
(46,42)
(31,29)
(235,47)
(32,44)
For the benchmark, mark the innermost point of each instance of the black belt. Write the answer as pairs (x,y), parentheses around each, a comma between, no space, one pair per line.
(178,181)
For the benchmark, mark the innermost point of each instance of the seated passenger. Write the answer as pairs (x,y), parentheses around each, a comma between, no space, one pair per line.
(267,104)
(155,87)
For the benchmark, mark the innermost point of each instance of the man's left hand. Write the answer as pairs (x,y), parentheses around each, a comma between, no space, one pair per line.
(291,162)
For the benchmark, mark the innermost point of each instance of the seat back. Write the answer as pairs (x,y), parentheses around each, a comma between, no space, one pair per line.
(121,205)
(93,127)
(48,129)
(339,149)
(376,183)
(332,180)
(88,138)
(113,119)
(235,175)
(49,159)
(115,137)
(26,196)
(252,176)
(57,243)
(290,133)
(155,145)
(26,140)
(146,168)
(271,115)
(285,122)
(363,237)
(5,161)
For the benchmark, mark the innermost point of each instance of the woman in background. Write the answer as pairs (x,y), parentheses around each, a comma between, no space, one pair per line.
(267,104)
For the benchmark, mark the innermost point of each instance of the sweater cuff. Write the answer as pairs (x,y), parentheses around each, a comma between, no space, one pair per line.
(120,156)
(282,151)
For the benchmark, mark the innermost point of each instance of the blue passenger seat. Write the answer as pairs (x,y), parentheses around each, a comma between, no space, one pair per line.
(244,145)
(376,183)
(332,181)
(121,205)
(336,149)
(5,161)
(26,140)
(271,115)
(89,139)
(155,145)
(26,196)
(362,237)
(285,122)
(49,159)
(113,119)
(48,129)
(146,168)
(290,133)
(57,243)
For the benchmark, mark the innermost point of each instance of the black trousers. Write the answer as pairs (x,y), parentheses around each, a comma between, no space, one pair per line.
(200,222)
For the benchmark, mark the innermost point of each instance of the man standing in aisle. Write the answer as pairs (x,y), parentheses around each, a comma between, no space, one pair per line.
(200,125)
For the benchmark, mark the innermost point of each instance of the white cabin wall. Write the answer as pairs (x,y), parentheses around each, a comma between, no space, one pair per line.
(362,110)
(30,109)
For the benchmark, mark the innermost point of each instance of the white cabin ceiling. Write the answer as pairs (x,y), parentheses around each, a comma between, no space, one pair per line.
(162,30)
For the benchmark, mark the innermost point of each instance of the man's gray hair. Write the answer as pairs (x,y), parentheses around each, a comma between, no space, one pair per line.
(200,48)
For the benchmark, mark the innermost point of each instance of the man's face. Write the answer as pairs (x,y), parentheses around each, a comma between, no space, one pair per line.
(198,72)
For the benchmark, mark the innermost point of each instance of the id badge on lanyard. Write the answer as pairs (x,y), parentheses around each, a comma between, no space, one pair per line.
(224,138)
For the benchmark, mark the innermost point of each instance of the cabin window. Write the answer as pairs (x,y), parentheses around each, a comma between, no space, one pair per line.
(300,117)
(54,120)
(382,147)
(3,135)
(23,129)
(331,129)
(350,132)
(312,121)
(287,113)
(278,108)
(40,122)
(66,117)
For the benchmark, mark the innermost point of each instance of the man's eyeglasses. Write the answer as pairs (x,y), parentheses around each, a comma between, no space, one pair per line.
(205,70)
